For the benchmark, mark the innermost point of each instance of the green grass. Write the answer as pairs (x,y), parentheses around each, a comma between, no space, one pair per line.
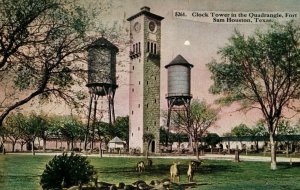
(23,171)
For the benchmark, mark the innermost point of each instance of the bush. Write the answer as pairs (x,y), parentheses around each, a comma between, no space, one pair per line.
(66,171)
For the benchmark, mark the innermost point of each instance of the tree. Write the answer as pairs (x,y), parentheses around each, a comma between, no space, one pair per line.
(261,71)
(42,45)
(2,138)
(148,138)
(71,129)
(121,128)
(285,129)
(65,171)
(212,139)
(103,134)
(44,130)
(241,130)
(13,126)
(259,130)
(33,125)
(196,120)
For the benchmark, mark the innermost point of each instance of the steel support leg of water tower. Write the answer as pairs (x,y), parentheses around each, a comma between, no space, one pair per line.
(94,121)
(86,137)
(170,106)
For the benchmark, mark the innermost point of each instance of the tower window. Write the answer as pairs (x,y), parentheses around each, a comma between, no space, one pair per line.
(154,78)
(147,82)
(151,48)
(154,100)
(154,123)
(133,48)
(148,46)
(139,128)
(132,90)
(139,82)
(139,47)
(154,48)
(136,48)
(147,105)
(131,134)
(131,112)
(132,67)
(139,105)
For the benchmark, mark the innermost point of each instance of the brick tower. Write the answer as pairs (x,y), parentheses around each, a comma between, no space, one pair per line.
(144,88)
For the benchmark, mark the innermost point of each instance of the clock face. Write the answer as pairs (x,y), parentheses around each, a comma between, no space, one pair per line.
(137,26)
(152,26)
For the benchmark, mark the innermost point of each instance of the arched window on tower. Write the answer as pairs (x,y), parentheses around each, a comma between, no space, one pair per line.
(148,46)
(133,48)
(136,48)
(151,48)
(154,48)
(139,47)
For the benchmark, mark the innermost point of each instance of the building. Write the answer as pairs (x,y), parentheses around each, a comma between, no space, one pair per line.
(144,92)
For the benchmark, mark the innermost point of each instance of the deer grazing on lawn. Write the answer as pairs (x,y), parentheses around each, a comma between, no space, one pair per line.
(195,164)
(174,172)
(140,166)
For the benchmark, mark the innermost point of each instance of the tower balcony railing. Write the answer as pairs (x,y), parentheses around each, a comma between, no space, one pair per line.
(134,55)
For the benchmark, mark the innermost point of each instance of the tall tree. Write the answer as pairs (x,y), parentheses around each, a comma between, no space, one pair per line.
(261,71)
(196,121)
(71,130)
(13,126)
(42,45)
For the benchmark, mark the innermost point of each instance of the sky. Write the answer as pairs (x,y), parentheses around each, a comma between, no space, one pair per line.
(205,39)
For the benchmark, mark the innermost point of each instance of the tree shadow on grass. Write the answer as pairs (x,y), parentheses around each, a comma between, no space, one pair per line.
(216,168)
(287,165)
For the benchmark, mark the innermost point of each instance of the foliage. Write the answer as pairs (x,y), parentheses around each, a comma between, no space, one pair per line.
(13,128)
(241,130)
(260,71)
(259,129)
(148,137)
(70,129)
(42,51)
(121,128)
(66,171)
(212,139)
(197,120)
(173,137)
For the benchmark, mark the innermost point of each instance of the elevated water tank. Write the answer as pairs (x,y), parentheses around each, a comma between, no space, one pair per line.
(102,66)
(179,80)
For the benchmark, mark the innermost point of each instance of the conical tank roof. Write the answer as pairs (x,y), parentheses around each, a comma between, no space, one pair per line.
(103,42)
(179,60)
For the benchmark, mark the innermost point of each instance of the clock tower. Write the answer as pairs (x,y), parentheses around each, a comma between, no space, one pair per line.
(144,88)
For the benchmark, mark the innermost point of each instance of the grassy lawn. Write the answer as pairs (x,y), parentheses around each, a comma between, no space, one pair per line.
(23,171)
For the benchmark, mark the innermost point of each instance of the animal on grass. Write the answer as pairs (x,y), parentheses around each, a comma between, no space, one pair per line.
(140,166)
(149,162)
(174,172)
(190,172)
(195,164)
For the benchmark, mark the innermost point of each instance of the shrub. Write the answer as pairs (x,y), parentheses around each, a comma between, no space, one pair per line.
(66,171)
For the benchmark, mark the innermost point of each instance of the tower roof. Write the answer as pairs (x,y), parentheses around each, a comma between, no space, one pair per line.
(145,11)
(103,42)
(179,60)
